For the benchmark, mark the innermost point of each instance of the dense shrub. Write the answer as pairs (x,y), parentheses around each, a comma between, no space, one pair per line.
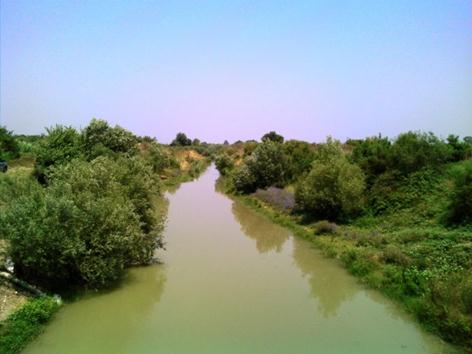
(249,147)
(224,164)
(334,187)
(459,150)
(392,191)
(372,155)
(413,151)
(60,145)
(244,180)
(92,221)
(263,168)
(459,210)
(157,158)
(300,156)
(98,138)
(9,148)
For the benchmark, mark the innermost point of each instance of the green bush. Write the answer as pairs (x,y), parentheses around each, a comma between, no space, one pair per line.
(413,151)
(157,158)
(224,164)
(26,323)
(459,210)
(59,146)
(393,191)
(265,167)
(372,155)
(9,148)
(93,220)
(98,138)
(334,187)
(459,150)
(300,156)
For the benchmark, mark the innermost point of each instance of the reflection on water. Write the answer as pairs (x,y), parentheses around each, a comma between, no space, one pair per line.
(330,285)
(233,282)
(268,236)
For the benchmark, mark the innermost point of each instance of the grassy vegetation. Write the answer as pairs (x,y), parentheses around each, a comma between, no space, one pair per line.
(410,237)
(26,323)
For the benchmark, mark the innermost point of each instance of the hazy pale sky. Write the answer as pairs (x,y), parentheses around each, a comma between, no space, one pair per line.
(236,69)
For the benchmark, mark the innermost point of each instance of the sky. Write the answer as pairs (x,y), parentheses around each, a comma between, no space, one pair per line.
(230,70)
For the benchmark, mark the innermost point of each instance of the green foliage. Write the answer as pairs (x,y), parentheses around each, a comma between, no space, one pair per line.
(273,136)
(300,156)
(459,210)
(61,145)
(249,147)
(26,323)
(158,159)
(372,155)
(9,148)
(458,150)
(392,191)
(334,187)
(265,167)
(224,164)
(92,221)
(181,140)
(98,138)
(413,151)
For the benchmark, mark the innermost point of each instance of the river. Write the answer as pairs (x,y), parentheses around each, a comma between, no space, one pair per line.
(233,282)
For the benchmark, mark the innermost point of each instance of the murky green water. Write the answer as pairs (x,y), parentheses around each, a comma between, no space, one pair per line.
(233,282)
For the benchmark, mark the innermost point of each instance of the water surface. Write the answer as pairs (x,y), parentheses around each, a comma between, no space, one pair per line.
(233,282)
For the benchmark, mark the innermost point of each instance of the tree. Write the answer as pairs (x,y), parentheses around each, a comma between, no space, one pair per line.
(181,140)
(223,164)
(300,156)
(273,136)
(265,167)
(372,155)
(98,138)
(458,149)
(59,146)
(413,151)
(9,147)
(459,210)
(157,158)
(93,220)
(334,187)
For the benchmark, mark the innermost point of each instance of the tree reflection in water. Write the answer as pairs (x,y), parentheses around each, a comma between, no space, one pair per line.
(329,284)
(268,236)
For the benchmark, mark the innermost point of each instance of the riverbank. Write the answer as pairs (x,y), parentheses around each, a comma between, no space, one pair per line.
(23,316)
(399,261)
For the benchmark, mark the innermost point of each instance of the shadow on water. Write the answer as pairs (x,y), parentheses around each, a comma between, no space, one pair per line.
(268,236)
(328,283)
